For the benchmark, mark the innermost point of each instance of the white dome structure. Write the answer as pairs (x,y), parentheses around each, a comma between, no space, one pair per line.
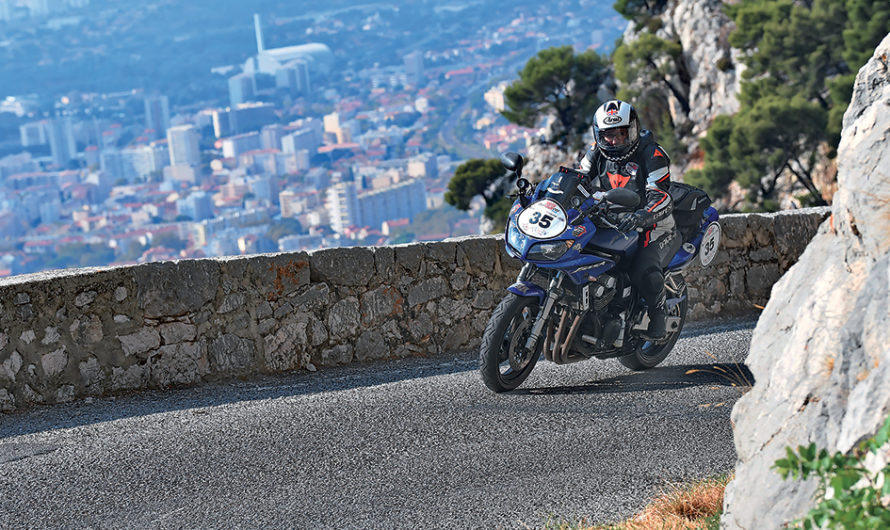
(317,55)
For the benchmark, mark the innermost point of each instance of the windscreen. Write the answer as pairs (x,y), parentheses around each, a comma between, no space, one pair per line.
(561,187)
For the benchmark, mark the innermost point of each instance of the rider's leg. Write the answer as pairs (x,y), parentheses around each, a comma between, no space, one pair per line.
(647,275)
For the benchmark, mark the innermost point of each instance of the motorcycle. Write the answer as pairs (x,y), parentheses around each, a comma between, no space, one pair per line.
(568,241)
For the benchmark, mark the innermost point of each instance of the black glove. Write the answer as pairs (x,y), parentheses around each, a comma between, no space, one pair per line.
(638,219)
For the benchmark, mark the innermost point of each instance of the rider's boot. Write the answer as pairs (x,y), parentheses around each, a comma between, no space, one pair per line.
(657,329)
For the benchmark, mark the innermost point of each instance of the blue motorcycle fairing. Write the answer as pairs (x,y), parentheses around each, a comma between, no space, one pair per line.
(682,257)
(526,288)
(578,266)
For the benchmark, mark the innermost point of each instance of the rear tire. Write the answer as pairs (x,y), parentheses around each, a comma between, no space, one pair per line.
(651,354)
(502,364)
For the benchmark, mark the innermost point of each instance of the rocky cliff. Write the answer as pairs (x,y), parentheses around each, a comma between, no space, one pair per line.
(706,73)
(820,352)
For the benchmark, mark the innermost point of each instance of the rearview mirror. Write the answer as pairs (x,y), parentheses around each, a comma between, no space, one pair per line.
(512,161)
(623,197)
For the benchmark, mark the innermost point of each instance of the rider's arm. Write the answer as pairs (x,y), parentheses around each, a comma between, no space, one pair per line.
(588,167)
(658,199)
(588,161)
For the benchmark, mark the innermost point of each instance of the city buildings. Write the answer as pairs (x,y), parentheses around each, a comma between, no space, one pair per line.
(184,145)
(242,88)
(61,140)
(157,116)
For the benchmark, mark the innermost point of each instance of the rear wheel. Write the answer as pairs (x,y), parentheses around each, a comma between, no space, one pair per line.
(651,354)
(503,362)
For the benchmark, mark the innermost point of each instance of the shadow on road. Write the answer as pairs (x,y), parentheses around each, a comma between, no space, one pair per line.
(230,391)
(661,378)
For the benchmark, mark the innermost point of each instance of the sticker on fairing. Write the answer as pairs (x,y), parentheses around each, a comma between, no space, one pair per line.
(544,219)
(710,243)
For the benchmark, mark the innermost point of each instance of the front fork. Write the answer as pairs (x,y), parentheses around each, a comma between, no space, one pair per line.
(553,295)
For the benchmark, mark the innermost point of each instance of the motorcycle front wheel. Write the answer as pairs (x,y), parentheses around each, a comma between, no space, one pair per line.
(503,362)
(650,354)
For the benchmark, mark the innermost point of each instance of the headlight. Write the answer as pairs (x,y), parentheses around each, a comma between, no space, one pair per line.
(549,251)
(515,237)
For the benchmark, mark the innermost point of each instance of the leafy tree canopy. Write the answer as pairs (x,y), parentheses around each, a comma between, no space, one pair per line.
(483,178)
(761,142)
(802,57)
(557,82)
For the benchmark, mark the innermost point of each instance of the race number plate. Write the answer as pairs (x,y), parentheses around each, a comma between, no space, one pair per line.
(544,219)
(710,243)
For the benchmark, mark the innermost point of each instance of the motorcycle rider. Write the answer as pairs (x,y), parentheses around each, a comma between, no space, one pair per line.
(625,156)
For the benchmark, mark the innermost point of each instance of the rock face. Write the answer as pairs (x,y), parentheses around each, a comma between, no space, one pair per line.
(820,352)
(703,29)
(706,74)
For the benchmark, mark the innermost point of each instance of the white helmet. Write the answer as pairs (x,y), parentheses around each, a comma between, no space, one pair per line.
(611,119)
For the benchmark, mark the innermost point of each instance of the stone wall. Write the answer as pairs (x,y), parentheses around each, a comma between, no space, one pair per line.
(76,333)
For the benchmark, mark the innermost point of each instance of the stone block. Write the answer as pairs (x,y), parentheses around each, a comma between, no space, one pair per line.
(381,304)
(341,354)
(762,277)
(370,345)
(735,231)
(87,330)
(422,328)
(232,302)
(460,280)
(7,401)
(317,296)
(480,253)
(11,366)
(131,378)
(343,266)
(385,263)
(231,353)
(85,298)
(486,299)
(55,362)
(280,275)
(263,310)
(65,394)
(427,290)
(344,319)
(176,332)
(120,294)
(28,336)
(763,254)
(175,288)
(284,349)
(91,372)
(178,364)
(51,336)
(441,252)
(318,334)
(409,257)
(139,343)
(22,298)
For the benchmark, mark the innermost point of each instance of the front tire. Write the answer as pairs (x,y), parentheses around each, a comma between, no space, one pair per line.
(650,354)
(502,362)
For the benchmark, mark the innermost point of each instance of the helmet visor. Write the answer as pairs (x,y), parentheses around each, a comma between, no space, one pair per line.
(615,137)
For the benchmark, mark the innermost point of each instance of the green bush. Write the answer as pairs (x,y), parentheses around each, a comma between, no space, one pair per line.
(847,507)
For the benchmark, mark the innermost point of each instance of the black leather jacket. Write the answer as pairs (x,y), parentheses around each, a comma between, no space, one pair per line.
(646,171)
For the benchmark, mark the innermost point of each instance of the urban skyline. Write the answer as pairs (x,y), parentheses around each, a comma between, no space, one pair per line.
(299,152)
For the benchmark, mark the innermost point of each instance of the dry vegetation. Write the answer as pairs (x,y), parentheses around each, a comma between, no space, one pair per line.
(681,507)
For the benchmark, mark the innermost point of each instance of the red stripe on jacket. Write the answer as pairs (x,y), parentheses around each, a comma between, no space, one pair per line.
(659,202)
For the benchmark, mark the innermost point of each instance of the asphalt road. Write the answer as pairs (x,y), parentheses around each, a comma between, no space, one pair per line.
(419,443)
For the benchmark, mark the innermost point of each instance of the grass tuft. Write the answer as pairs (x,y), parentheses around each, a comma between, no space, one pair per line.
(682,507)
